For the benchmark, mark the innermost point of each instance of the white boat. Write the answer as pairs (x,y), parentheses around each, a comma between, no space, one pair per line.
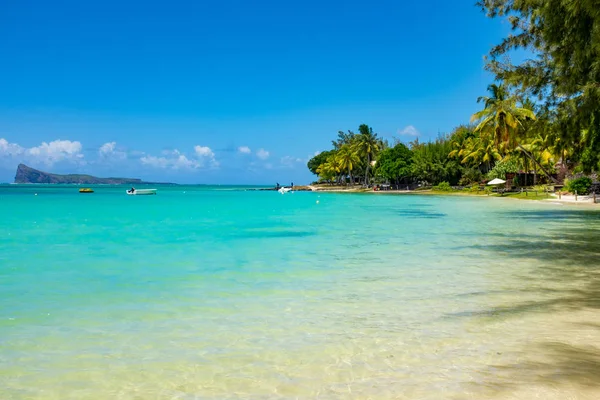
(141,192)
(283,190)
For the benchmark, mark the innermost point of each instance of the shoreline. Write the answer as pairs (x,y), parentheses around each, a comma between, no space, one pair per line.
(586,201)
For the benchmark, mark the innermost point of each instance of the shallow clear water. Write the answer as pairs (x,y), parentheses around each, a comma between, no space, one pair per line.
(218,293)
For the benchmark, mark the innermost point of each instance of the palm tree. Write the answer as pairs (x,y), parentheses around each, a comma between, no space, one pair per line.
(367,145)
(348,158)
(504,120)
(502,117)
(481,150)
(460,141)
(330,169)
(539,147)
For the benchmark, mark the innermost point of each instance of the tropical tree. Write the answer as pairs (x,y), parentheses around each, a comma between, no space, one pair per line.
(481,150)
(502,117)
(330,170)
(395,163)
(367,145)
(321,158)
(460,141)
(504,120)
(347,157)
(343,139)
(431,162)
(563,73)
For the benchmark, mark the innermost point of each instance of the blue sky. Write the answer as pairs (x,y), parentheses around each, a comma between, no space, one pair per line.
(228,91)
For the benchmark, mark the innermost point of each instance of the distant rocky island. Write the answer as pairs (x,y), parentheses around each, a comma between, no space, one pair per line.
(27,174)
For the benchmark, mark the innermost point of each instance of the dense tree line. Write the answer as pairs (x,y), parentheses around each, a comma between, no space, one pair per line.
(540,117)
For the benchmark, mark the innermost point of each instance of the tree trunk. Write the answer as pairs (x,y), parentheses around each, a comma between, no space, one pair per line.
(526,172)
(367,170)
(538,164)
(350,174)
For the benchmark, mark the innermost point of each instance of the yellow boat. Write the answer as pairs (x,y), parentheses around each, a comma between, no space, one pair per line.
(86,190)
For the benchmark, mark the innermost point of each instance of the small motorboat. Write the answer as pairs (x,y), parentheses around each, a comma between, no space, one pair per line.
(284,190)
(141,192)
(86,190)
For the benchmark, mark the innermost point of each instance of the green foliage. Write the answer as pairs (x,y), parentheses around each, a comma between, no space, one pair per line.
(432,164)
(502,118)
(343,139)
(470,176)
(395,163)
(474,188)
(508,165)
(443,187)
(321,158)
(580,185)
(563,72)
(348,158)
(368,146)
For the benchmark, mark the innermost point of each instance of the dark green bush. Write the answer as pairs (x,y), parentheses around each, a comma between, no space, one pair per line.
(443,187)
(580,185)
(470,176)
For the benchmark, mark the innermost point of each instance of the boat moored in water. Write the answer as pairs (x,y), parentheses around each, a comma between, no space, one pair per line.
(86,190)
(140,192)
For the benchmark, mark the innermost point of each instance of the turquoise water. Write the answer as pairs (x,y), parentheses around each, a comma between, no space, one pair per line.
(219,292)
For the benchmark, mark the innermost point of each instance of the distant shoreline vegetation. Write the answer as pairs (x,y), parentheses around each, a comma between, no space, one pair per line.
(540,122)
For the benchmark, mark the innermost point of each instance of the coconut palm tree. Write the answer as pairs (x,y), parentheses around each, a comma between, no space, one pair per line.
(347,158)
(461,141)
(539,147)
(481,150)
(504,119)
(367,145)
(330,169)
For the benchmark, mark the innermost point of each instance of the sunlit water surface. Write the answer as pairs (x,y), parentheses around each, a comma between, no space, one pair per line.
(223,293)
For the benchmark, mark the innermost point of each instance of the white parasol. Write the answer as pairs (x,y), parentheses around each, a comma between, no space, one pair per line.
(496,181)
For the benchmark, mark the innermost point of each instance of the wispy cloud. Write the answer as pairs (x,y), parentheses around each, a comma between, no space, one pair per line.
(244,150)
(409,130)
(109,151)
(290,162)
(262,154)
(172,160)
(206,155)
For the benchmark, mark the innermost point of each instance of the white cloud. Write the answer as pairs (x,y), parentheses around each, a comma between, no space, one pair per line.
(107,148)
(204,151)
(178,161)
(109,151)
(46,153)
(244,150)
(410,130)
(10,149)
(206,155)
(55,151)
(182,162)
(174,159)
(262,154)
(290,162)
(157,162)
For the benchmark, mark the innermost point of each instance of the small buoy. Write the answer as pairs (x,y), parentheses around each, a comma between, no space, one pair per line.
(317,201)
